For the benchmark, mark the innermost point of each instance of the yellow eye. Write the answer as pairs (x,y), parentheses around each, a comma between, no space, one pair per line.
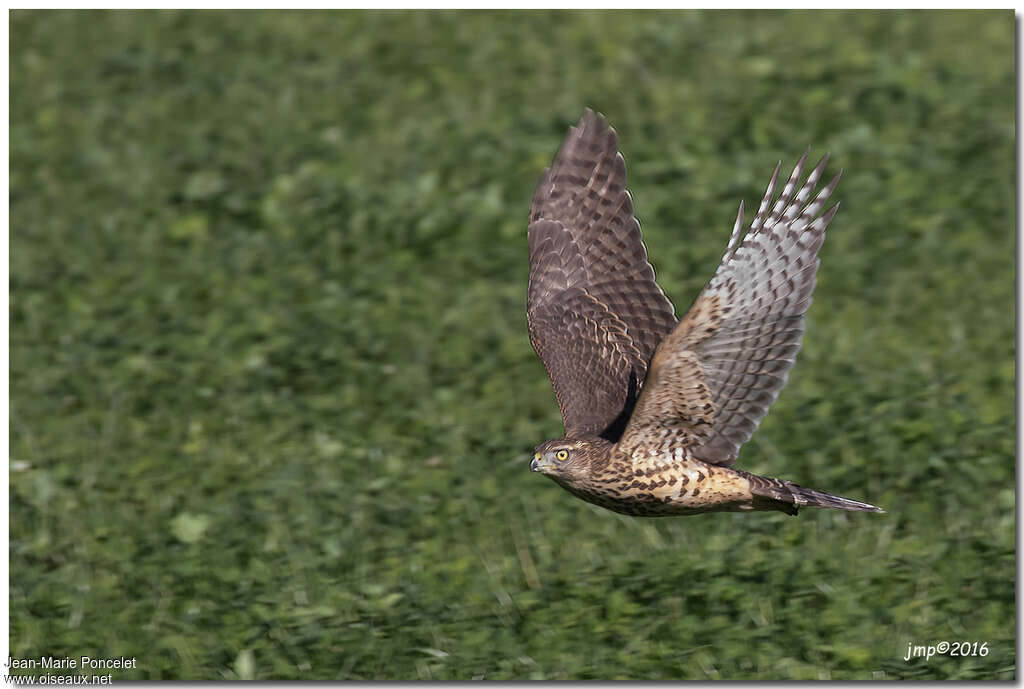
(562,455)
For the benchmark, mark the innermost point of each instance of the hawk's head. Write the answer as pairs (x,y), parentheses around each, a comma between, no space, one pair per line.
(565,459)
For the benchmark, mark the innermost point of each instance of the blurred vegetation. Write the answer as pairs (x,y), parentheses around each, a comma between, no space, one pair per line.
(272,398)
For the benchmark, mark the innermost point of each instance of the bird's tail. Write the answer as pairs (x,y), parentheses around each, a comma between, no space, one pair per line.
(773,493)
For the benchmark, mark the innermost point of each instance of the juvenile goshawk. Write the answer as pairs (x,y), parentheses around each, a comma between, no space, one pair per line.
(655,410)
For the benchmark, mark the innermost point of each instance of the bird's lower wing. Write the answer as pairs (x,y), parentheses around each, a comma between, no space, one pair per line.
(590,280)
(593,362)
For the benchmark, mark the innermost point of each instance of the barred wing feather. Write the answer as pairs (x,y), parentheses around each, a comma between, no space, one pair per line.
(738,341)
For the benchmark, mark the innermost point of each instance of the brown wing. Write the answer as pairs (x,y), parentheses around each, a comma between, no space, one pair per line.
(713,379)
(594,311)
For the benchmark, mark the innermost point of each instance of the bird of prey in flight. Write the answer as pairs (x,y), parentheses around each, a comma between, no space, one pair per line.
(655,410)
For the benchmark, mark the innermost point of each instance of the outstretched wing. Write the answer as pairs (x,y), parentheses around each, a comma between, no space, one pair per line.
(594,311)
(713,379)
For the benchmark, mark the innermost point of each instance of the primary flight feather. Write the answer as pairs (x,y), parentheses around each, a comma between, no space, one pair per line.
(655,410)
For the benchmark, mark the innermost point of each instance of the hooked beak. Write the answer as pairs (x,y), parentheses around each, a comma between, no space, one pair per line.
(535,464)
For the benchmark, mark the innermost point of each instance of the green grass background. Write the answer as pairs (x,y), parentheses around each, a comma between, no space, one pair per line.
(272,398)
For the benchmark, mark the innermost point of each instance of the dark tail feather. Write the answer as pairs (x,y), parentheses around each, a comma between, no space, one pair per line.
(787,497)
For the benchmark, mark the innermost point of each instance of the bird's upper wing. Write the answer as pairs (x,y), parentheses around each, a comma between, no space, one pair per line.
(714,377)
(594,311)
